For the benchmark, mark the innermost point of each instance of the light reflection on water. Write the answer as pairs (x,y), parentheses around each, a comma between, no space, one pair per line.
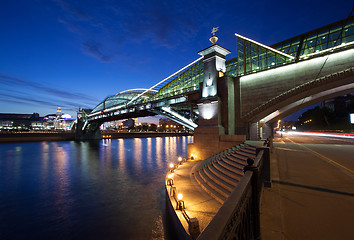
(110,189)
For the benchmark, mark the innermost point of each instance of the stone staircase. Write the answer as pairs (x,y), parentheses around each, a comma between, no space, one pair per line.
(219,174)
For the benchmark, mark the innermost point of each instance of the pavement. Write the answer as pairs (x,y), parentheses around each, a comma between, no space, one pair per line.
(309,198)
(198,204)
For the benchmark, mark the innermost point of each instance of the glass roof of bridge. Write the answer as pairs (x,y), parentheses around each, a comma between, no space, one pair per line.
(122,98)
(185,81)
(252,57)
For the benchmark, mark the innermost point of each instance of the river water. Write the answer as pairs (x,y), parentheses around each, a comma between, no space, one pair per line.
(108,189)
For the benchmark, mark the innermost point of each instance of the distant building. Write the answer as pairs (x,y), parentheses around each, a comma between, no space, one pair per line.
(19,122)
(340,106)
(167,121)
(27,122)
(129,123)
(168,125)
(58,121)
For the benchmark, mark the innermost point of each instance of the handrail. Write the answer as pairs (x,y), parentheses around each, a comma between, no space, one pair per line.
(237,218)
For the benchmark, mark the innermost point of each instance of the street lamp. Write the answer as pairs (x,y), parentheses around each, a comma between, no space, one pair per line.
(180,202)
(170,179)
(180,160)
(172,167)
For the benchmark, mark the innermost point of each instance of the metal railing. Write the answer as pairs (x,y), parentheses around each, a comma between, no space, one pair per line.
(239,216)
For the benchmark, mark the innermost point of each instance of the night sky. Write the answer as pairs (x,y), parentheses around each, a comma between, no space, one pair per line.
(75,53)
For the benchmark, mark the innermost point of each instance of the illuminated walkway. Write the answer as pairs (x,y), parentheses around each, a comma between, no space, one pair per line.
(198,203)
(310,198)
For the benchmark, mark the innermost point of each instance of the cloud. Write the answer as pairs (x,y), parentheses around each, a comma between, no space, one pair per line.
(39,95)
(107,27)
(94,48)
(15,82)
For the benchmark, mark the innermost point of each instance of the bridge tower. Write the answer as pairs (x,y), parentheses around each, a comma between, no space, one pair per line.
(216,121)
(85,130)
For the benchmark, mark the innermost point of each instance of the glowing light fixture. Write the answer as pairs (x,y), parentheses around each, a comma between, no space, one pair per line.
(180,202)
(172,167)
(179,196)
(180,160)
(170,179)
(208,110)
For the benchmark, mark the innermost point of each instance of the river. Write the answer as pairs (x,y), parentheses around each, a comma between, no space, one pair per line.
(108,189)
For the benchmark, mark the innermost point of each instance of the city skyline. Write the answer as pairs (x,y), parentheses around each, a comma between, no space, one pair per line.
(70,55)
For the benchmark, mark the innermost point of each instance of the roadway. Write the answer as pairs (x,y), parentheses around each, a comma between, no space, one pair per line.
(312,194)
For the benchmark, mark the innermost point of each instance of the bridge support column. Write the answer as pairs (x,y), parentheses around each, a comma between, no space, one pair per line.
(240,124)
(260,130)
(85,130)
(216,128)
(253,131)
(268,130)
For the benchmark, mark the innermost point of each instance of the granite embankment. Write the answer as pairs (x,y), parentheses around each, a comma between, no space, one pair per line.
(69,136)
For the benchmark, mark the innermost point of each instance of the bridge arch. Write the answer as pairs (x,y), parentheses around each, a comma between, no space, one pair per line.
(305,95)
(123,98)
(273,94)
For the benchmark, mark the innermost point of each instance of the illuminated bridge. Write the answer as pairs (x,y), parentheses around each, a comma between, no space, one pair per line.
(227,101)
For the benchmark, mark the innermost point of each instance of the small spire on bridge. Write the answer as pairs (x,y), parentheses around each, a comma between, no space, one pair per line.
(214,38)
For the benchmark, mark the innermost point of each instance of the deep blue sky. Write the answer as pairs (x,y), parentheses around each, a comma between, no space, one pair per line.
(75,53)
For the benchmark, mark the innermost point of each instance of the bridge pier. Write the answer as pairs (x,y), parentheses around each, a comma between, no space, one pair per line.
(85,130)
(216,120)
(260,130)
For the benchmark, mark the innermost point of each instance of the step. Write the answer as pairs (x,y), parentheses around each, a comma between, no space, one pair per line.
(213,185)
(248,146)
(233,182)
(241,155)
(218,197)
(247,151)
(235,171)
(233,163)
(242,152)
(237,160)
(227,172)
(228,187)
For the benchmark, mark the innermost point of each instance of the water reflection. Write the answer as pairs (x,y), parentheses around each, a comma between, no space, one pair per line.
(149,150)
(110,189)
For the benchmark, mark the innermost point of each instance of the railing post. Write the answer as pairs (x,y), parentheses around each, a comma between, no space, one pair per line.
(194,228)
(266,165)
(256,188)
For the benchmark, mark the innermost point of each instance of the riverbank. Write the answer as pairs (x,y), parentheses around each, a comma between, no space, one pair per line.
(70,136)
